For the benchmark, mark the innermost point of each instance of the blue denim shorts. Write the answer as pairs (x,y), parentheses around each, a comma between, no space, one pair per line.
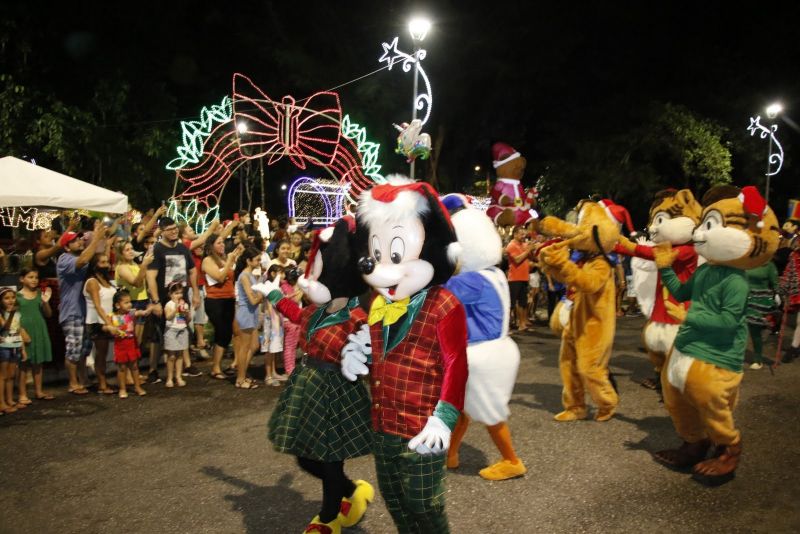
(11,355)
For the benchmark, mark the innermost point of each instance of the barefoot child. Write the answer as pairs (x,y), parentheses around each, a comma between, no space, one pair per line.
(34,306)
(12,348)
(176,333)
(126,349)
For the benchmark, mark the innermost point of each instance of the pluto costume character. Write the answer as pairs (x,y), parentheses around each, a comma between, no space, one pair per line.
(588,336)
(673,217)
(418,336)
(320,417)
(738,231)
(492,355)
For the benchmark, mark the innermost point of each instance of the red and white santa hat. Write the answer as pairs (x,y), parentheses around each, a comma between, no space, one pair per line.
(618,214)
(754,204)
(502,153)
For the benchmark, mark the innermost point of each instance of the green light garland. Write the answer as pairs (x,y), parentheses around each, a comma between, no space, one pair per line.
(195,133)
(367,149)
(190,216)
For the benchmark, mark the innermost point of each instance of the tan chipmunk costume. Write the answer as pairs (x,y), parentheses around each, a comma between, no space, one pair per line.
(701,377)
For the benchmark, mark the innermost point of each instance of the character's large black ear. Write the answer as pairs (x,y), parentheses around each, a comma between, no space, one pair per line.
(440,238)
(339,262)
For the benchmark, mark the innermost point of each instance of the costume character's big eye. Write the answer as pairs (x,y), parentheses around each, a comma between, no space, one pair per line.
(661,217)
(397,249)
(376,248)
(712,220)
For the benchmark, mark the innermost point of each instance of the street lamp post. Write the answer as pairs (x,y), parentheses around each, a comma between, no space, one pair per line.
(418,28)
(772,112)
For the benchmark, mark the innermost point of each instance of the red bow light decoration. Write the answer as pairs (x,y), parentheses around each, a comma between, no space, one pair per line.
(274,130)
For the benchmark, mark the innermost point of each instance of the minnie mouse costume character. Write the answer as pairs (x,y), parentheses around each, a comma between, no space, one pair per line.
(320,417)
(418,336)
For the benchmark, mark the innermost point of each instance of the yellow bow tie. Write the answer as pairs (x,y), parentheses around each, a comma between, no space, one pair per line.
(388,312)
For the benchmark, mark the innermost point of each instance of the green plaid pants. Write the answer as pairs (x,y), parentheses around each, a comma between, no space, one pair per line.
(411,485)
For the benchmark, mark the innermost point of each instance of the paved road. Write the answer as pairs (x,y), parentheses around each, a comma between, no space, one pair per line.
(197,460)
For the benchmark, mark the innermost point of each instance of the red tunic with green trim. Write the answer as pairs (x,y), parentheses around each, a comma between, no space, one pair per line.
(426,362)
(327,340)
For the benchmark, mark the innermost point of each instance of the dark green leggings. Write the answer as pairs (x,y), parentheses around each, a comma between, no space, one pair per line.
(756,332)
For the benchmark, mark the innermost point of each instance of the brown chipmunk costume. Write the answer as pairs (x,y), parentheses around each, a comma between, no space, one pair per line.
(673,217)
(701,377)
(588,336)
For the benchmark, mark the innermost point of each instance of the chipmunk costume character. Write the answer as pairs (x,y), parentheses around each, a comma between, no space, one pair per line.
(492,355)
(320,417)
(418,336)
(588,336)
(737,231)
(673,216)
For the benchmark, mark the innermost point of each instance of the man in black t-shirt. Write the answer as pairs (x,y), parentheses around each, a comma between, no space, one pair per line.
(172,262)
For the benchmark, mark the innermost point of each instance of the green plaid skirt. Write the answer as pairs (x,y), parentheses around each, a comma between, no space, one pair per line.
(322,416)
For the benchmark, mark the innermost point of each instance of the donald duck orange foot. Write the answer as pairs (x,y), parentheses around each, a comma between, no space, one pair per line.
(503,470)
(354,507)
(570,415)
(318,527)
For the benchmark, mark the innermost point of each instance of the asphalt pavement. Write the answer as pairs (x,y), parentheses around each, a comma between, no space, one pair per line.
(196,459)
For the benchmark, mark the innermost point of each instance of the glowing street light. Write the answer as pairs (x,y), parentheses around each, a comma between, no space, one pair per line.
(477,168)
(283,187)
(773,110)
(419,27)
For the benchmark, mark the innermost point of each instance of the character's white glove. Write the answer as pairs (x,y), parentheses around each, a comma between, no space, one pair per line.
(354,362)
(302,283)
(355,354)
(266,287)
(777,300)
(434,438)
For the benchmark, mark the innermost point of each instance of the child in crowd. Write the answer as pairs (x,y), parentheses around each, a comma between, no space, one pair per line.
(12,348)
(273,334)
(126,348)
(291,331)
(34,306)
(247,302)
(176,333)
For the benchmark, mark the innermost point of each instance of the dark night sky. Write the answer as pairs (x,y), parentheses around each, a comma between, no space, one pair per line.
(530,73)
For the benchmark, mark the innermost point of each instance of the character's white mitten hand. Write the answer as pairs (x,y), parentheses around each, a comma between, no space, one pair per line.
(354,362)
(434,438)
(777,300)
(266,287)
(362,339)
(302,283)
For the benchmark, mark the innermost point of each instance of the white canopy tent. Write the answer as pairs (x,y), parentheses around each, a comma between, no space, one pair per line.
(24,184)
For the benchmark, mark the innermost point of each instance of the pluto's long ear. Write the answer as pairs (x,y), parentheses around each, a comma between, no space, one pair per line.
(553,226)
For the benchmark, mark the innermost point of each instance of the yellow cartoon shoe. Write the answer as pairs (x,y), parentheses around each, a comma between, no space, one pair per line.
(353,508)
(318,527)
(503,470)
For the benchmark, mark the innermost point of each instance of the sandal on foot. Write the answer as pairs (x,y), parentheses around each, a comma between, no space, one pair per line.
(246,384)
(46,397)
(123,394)
(24,402)
(219,376)
(80,391)
(107,391)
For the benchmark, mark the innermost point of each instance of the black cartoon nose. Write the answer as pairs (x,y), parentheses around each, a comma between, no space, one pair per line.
(366,265)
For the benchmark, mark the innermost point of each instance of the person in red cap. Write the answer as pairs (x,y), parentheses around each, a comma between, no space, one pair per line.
(71,269)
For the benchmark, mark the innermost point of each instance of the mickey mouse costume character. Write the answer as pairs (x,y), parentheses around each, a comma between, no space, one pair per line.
(737,231)
(320,417)
(418,336)
(492,355)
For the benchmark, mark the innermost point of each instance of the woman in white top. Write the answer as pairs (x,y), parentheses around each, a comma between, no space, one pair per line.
(99,294)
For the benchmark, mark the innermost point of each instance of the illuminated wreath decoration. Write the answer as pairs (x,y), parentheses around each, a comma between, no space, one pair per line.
(252,126)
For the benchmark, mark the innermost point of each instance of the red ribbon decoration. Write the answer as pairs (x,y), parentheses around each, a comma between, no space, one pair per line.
(307,131)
